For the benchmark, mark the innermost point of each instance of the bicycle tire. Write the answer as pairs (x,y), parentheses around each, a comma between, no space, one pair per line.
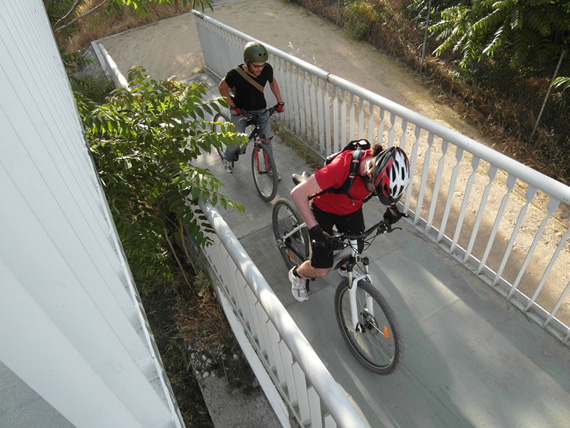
(294,249)
(264,172)
(220,117)
(379,349)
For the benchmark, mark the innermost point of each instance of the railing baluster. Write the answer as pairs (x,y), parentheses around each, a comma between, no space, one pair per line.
(336,136)
(321,123)
(351,120)
(370,126)
(343,119)
(360,132)
(423,184)
(450,193)
(531,191)
(302,397)
(315,408)
(465,204)
(510,184)
(553,260)
(314,112)
(491,173)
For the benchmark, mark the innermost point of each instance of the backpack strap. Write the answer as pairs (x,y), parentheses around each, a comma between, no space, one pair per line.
(249,79)
(347,185)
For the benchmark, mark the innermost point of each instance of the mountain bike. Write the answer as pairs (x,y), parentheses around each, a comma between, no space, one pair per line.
(263,166)
(366,320)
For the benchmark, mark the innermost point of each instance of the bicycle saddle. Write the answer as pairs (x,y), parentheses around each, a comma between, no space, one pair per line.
(299,178)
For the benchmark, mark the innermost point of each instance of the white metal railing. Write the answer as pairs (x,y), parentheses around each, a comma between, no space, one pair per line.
(300,377)
(292,376)
(503,220)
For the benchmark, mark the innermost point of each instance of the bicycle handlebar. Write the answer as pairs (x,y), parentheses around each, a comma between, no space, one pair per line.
(254,116)
(381,227)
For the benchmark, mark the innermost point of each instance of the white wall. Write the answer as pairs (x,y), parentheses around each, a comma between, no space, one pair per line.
(71,325)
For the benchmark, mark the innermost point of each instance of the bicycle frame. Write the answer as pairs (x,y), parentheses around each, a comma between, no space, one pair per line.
(353,279)
(253,120)
(366,321)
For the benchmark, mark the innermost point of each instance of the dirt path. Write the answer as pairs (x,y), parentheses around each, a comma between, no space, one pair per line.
(171,47)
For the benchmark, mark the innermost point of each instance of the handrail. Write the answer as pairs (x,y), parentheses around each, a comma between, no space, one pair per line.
(461,191)
(302,352)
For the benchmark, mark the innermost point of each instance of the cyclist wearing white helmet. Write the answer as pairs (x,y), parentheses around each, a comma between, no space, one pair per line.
(242,88)
(384,173)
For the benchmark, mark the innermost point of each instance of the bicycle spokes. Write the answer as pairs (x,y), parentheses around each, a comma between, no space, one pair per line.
(373,337)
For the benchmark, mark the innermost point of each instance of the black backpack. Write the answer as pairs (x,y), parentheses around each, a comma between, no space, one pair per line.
(357,147)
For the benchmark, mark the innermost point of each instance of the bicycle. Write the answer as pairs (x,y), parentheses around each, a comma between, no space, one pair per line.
(366,320)
(263,166)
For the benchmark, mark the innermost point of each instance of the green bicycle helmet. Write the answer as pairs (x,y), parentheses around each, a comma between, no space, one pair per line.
(255,52)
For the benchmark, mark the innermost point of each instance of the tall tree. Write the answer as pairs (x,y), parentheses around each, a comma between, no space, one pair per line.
(526,31)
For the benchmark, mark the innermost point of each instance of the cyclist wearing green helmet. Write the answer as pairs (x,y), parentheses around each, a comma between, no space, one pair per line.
(242,89)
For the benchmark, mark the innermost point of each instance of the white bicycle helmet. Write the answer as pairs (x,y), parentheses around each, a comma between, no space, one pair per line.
(391,175)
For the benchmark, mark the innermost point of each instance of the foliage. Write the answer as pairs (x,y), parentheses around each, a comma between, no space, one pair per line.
(360,18)
(530,31)
(143,141)
(562,82)
(92,90)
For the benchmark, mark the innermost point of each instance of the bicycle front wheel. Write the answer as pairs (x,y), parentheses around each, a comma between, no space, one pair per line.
(219,119)
(264,172)
(290,233)
(376,341)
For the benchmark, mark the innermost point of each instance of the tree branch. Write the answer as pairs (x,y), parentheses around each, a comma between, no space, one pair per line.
(176,257)
(69,12)
(56,30)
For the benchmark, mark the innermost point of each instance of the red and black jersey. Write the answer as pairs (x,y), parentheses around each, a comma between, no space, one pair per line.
(334,175)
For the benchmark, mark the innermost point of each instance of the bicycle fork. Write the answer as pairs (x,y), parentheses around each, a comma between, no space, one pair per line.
(353,280)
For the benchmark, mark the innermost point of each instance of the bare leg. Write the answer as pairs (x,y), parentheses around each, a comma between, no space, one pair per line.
(306,270)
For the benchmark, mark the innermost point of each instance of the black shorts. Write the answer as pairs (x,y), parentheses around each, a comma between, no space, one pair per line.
(322,257)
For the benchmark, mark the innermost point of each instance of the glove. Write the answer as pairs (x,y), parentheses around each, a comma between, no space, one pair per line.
(235,111)
(392,215)
(318,237)
(280,107)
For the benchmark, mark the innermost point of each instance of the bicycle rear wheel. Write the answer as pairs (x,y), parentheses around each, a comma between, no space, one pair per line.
(377,344)
(294,248)
(264,172)
(219,119)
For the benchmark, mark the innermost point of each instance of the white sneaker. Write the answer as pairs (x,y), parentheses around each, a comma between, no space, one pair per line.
(228,166)
(342,272)
(298,287)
